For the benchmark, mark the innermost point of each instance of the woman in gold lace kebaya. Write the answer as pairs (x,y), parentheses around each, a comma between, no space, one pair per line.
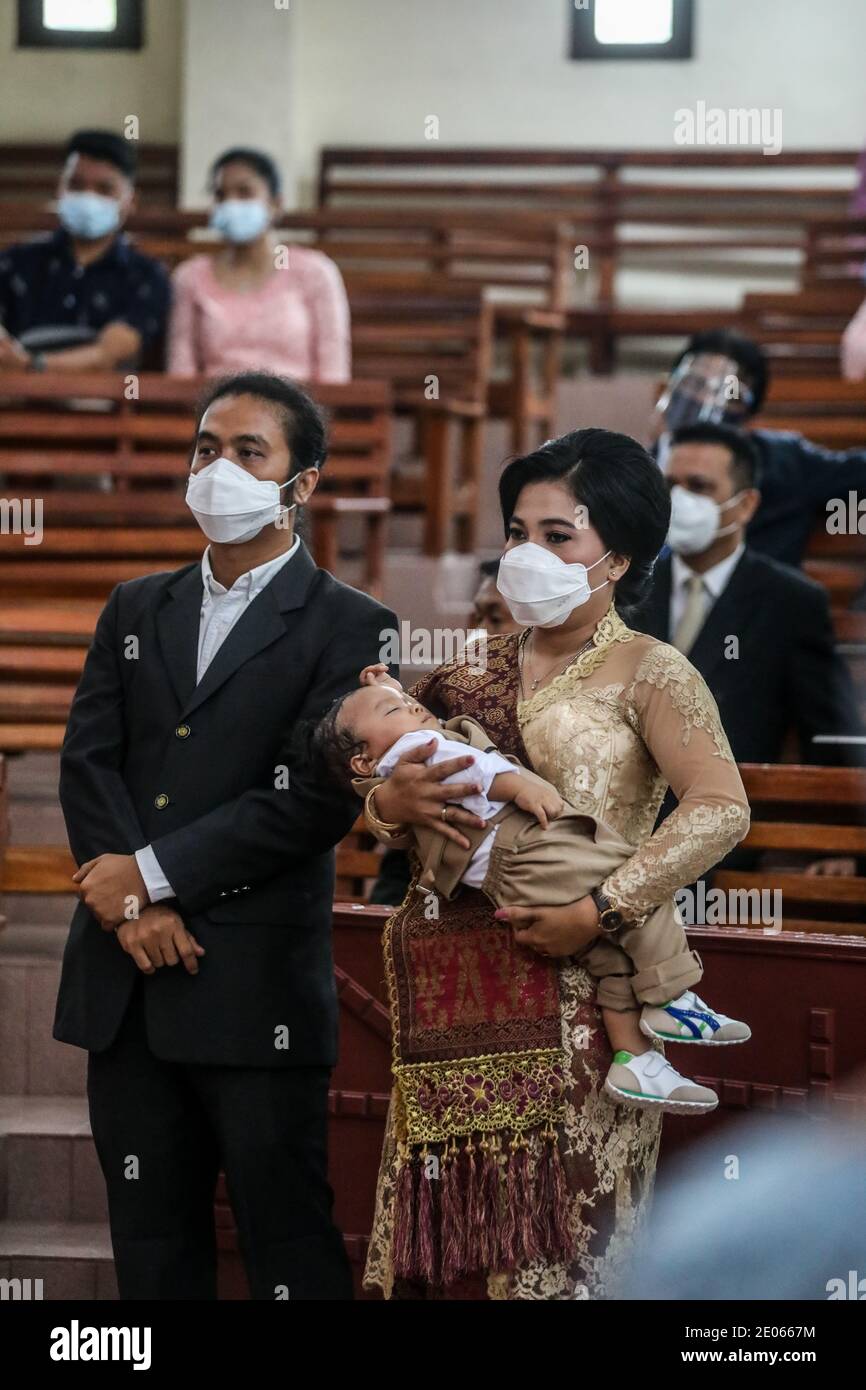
(507,1172)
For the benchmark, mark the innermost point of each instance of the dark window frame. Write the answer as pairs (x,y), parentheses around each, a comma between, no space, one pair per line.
(127,33)
(584,44)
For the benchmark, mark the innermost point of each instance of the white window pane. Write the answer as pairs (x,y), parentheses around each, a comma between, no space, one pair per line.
(634,21)
(94,15)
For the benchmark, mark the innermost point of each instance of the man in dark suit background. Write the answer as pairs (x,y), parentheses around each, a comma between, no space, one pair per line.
(722,377)
(759,632)
(198,969)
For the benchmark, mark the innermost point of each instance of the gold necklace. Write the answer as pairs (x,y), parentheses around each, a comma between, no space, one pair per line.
(563,666)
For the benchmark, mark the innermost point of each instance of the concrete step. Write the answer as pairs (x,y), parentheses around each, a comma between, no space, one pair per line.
(73,1259)
(48,1165)
(31,1061)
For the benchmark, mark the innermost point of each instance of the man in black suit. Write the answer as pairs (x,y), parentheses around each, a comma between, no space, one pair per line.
(721,377)
(198,970)
(759,632)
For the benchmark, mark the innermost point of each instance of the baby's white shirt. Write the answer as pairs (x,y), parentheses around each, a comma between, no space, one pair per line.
(485,767)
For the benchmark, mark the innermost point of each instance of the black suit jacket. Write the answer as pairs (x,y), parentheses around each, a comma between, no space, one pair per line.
(199,772)
(788,672)
(797,481)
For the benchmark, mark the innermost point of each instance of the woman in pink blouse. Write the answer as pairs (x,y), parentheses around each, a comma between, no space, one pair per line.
(254,304)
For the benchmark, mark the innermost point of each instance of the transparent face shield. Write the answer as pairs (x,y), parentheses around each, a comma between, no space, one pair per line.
(704,389)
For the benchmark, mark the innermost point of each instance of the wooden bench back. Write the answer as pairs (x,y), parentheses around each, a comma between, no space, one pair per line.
(29,170)
(606,181)
(139,427)
(108,456)
(801,332)
(431,338)
(532,263)
(806,813)
(835,252)
(827,410)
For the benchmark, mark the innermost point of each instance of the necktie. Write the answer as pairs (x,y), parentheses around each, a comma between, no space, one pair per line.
(692,620)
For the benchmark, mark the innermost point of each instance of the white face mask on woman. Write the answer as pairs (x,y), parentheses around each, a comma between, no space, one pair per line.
(695,521)
(229,504)
(539,588)
(241,219)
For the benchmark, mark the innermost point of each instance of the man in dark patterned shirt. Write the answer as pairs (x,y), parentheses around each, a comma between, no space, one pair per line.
(83,299)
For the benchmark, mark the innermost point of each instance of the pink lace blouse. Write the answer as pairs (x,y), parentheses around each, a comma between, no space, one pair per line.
(297,323)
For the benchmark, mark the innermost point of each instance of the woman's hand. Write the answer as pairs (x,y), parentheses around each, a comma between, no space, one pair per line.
(553,931)
(414,794)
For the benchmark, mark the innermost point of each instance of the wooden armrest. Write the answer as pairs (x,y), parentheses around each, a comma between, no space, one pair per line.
(349,505)
(451,405)
(540,320)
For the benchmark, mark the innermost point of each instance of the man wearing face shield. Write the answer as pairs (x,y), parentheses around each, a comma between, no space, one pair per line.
(721,378)
(759,632)
(83,299)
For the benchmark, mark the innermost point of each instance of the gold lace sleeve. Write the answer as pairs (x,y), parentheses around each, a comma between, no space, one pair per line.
(680,725)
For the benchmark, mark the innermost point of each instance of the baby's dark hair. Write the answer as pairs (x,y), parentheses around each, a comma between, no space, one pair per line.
(332,746)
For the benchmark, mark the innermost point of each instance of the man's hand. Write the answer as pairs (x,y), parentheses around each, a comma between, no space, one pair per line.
(12,355)
(553,931)
(159,937)
(378,674)
(832,868)
(106,884)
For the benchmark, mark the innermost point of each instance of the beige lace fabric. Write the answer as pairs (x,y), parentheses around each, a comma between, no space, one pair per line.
(628,718)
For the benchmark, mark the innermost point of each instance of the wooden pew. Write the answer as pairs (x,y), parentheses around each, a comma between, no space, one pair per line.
(140,448)
(835,252)
(801,993)
(397,271)
(525,258)
(4,822)
(30,169)
(47,869)
(593,187)
(111,478)
(436,351)
(825,409)
(695,209)
(807,813)
(801,332)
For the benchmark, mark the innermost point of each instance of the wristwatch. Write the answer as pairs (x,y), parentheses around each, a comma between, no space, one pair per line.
(610,917)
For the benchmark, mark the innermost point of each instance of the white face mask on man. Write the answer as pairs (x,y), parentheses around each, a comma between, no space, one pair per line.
(539,588)
(695,521)
(229,504)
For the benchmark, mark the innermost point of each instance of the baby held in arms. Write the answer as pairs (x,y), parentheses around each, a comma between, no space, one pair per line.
(536,850)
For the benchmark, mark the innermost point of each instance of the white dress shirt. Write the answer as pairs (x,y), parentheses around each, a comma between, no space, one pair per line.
(715,581)
(220,610)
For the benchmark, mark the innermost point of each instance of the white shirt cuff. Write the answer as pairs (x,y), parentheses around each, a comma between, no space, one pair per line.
(155,881)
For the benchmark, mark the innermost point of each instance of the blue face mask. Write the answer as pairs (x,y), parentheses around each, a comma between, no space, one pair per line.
(88,215)
(241,219)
